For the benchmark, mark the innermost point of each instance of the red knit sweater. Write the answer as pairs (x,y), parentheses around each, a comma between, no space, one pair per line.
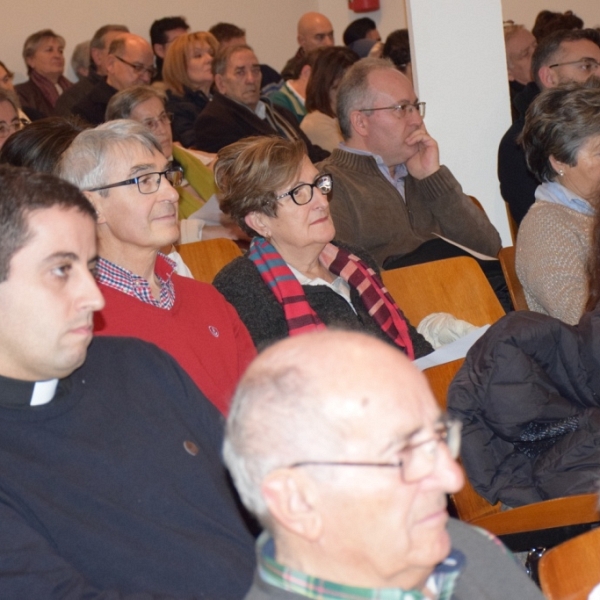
(202,332)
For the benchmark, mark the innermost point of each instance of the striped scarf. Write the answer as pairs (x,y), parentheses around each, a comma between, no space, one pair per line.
(301,318)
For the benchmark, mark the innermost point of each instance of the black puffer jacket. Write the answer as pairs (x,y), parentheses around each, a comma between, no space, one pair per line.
(529,399)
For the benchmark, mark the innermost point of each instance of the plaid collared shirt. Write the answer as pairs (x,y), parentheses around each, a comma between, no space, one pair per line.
(440,584)
(122,280)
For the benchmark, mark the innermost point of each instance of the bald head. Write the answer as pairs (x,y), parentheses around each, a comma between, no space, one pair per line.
(314,31)
(130,62)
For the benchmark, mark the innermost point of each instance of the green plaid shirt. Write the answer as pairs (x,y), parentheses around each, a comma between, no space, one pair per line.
(440,584)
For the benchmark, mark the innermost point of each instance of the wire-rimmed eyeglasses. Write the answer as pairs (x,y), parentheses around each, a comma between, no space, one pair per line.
(401,110)
(7,129)
(138,68)
(303,193)
(163,119)
(587,65)
(416,461)
(149,182)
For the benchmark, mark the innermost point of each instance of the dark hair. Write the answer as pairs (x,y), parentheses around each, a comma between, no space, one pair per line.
(248,174)
(159,28)
(97,41)
(548,22)
(546,50)
(8,71)
(357,30)
(40,145)
(558,122)
(226,31)
(329,67)
(23,191)
(397,49)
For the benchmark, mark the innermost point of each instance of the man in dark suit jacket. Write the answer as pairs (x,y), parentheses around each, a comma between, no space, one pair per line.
(237,111)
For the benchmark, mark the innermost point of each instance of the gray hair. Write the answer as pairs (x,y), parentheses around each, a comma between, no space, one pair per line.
(354,91)
(97,40)
(275,421)
(11,98)
(123,103)
(558,122)
(80,59)
(32,43)
(221,59)
(87,163)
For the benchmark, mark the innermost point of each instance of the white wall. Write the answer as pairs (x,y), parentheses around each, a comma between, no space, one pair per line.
(526,12)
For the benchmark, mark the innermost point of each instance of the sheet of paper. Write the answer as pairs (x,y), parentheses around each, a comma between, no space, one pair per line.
(210,212)
(450,352)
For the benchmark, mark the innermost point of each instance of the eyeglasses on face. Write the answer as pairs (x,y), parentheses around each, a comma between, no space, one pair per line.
(7,129)
(163,119)
(417,461)
(401,110)
(587,65)
(303,193)
(138,68)
(149,182)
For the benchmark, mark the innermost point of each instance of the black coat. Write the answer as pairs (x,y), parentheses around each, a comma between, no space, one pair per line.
(185,110)
(528,395)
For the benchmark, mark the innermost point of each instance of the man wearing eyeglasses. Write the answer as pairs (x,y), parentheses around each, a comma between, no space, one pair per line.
(390,194)
(121,169)
(129,62)
(336,444)
(562,57)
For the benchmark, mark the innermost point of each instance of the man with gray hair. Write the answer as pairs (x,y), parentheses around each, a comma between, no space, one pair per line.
(121,169)
(99,45)
(390,194)
(129,62)
(336,444)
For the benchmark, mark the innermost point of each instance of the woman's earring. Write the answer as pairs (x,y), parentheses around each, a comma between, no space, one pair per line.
(561,173)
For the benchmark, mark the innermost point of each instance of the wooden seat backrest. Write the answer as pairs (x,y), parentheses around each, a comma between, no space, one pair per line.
(507,261)
(206,258)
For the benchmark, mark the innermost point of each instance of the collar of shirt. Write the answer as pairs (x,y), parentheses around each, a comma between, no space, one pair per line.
(400,171)
(296,94)
(17,393)
(261,110)
(122,280)
(440,584)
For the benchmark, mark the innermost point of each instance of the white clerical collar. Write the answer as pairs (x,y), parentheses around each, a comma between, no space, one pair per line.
(43,392)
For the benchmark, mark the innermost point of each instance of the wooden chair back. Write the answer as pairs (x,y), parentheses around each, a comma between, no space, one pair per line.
(512,224)
(453,285)
(507,262)
(571,570)
(206,258)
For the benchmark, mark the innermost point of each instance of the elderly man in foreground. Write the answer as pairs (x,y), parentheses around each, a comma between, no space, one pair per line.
(349,472)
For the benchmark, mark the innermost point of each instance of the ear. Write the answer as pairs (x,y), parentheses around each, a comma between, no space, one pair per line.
(259,223)
(110,62)
(219,83)
(305,72)
(94,52)
(292,501)
(557,165)
(159,50)
(359,122)
(547,77)
(93,198)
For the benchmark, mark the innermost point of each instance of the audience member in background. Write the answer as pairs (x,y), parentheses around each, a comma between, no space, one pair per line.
(391,195)
(228,34)
(146,105)
(99,45)
(163,32)
(359,30)
(237,110)
(294,279)
(188,77)
(336,443)
(112,483)
(561,57)
(321,125)
(314,31)
(292,94)
(121,169)
(548,22)
(40,145)
(520,44)
(561,139)
(6,83)
(10,122)
(80,60)
(43,53)
(129,62)
(397,49)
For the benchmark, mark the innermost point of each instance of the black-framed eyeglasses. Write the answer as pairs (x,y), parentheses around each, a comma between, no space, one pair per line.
(401,110)
(138,68)
(416,461)
(587,65)
(303,193)
(149,182)
(7,129)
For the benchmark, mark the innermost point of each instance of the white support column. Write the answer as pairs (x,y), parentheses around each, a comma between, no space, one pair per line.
(459,68)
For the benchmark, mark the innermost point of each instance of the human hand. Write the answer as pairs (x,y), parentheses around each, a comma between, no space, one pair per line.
(426,160)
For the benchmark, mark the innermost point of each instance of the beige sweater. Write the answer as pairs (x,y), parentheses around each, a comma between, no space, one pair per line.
(553,248)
